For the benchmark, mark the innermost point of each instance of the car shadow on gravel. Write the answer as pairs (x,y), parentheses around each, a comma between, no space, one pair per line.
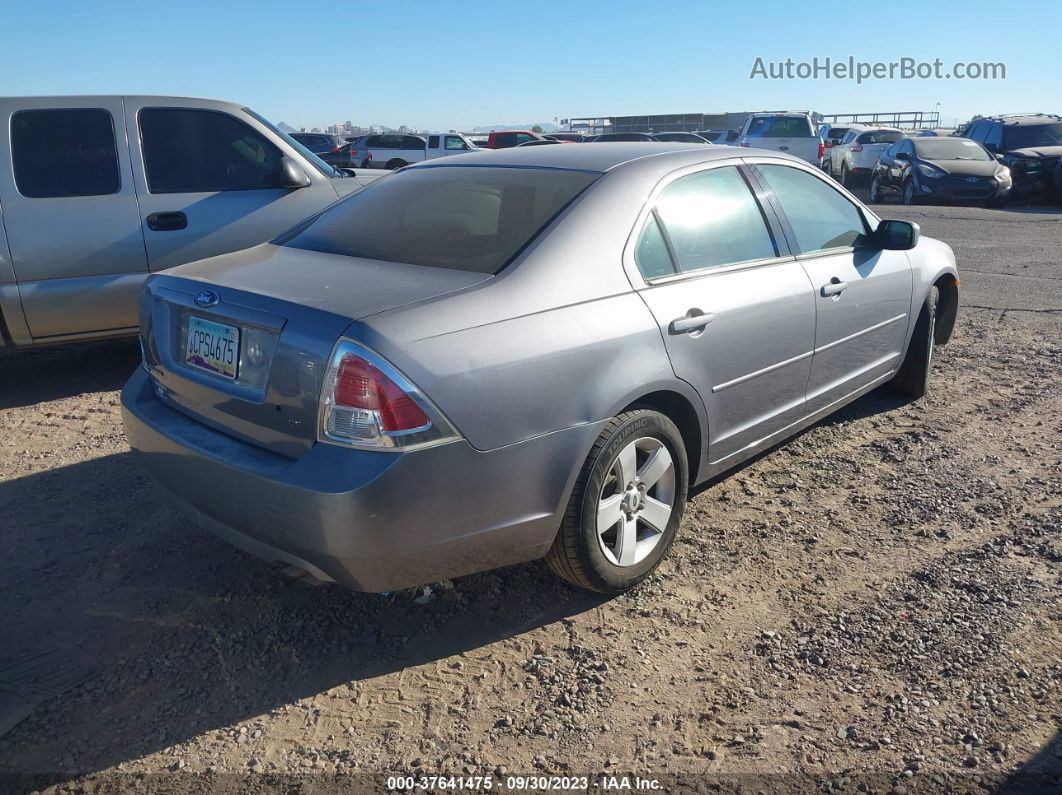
(37,375)
(1042,773)
(187,634)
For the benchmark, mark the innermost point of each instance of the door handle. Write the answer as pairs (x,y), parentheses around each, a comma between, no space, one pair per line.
(690,322)
(167,222)
(835,287)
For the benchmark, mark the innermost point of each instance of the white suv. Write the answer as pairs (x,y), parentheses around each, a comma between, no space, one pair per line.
(858,153)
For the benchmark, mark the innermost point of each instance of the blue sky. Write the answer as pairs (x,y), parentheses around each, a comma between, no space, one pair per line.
(451,64)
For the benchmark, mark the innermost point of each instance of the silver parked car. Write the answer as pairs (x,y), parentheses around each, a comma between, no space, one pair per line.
(523,353)
(98,192)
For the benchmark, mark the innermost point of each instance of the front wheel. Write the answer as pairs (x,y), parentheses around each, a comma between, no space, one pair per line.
(912,379)
(909,192)
(875,190)
(626,505)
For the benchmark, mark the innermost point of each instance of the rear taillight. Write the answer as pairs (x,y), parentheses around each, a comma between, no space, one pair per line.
(335,150)
(744,144)
(366,403)
(353,152)
(822,150)
(857,148)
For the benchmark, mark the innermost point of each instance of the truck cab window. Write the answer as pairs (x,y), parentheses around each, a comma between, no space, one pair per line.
(64,152)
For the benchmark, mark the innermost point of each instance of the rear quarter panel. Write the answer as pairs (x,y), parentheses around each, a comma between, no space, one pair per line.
(12,320)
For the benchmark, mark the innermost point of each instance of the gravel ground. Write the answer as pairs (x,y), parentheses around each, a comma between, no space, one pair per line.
(873,606)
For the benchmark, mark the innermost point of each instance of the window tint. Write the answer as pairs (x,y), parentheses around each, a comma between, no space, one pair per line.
(505,139)
(713,219)
(650,253)
(412,142)
(64,153)
(471,219)
(433,141)
(780,127)
(994,136)
(821,217)
(950,149)
(524,138)
(977,132)
(201,151)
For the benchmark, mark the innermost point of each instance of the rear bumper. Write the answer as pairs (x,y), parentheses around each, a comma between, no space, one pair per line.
(370,520)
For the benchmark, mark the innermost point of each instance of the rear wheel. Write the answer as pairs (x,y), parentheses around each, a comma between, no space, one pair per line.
(626,505)
(846,177)
(396,163)
(912,379)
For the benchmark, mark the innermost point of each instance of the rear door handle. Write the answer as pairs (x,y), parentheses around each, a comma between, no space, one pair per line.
(690,322)
(167,222)
(835,287)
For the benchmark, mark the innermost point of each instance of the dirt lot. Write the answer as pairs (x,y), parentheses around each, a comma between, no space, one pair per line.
(875,605)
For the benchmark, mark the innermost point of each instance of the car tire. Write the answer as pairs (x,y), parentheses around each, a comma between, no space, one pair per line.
(912,379)
(909,196)
(846,177)
(365,164)
(395,163)
(645,449)
(875,190)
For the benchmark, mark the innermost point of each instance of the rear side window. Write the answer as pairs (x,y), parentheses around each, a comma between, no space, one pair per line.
(433,142)
(505,139)
(471,219)
(202,151)
(780,127)
(68,152)
(650,253)
(821,217)
(713,219)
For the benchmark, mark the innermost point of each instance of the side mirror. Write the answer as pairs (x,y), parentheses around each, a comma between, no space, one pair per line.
(999,156)
(898,235)
(291,177)
(902,156)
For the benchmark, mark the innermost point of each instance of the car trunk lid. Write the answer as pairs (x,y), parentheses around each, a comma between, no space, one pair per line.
(242,342)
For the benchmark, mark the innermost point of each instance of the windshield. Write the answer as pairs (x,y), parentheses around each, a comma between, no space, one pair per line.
(1034,135)
(953,149)
(780,127)
(317,162)
(471,218)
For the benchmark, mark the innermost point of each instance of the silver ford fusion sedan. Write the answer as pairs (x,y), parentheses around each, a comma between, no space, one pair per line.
(526,353)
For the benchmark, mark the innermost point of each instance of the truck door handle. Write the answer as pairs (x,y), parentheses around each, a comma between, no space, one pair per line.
(835,287)
(167,222)
(690,322)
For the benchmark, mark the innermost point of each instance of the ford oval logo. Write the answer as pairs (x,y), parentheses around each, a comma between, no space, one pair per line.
(206,298)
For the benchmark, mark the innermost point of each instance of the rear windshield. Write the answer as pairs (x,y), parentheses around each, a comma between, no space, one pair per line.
(467,218)
(880,137)
(950,149)
(780,127)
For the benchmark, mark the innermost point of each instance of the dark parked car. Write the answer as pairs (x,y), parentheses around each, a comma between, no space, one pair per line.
(680,138)
(626,137)
(333,149)
(571,137)
(1030,145)
(947,169)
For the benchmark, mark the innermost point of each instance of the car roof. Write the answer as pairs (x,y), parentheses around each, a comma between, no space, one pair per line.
(649,154)
(1022,119)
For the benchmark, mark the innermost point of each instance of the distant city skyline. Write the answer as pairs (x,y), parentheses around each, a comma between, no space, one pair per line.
(466,67)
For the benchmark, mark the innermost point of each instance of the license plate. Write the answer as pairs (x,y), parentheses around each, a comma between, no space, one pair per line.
(213,347)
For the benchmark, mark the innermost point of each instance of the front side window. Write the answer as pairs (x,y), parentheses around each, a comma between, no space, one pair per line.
(821,218)
(472,219)
(203,151)
(713,219)
(64,152)
(455,143)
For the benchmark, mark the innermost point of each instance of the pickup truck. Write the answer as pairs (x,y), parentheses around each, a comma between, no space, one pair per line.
(792,132)
(98,192)
(391,150)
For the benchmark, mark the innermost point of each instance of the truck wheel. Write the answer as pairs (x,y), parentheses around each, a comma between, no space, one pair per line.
(396,163)
(626,505)
(912,379)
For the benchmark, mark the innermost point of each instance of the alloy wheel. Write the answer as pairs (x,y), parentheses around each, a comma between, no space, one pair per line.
(636,502)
